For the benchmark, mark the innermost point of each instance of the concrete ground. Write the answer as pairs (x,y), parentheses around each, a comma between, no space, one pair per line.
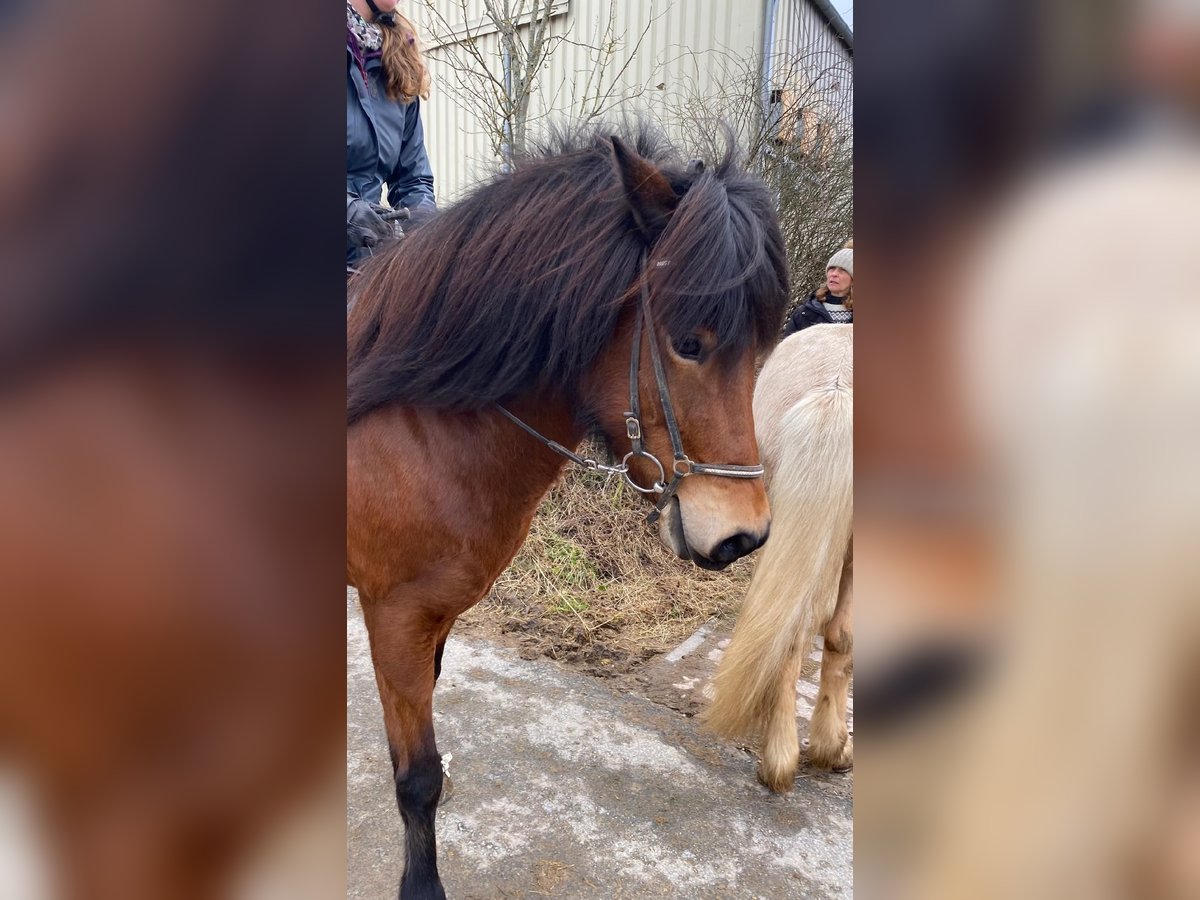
(565,786)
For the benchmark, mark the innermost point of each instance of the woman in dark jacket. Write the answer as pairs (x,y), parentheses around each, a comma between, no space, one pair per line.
(833,301)
(385,143)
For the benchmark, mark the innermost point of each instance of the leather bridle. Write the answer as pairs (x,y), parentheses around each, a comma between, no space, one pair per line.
(681,466)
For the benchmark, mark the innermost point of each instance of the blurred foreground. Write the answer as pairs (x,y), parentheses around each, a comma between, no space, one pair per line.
(171,454)
(1026,442)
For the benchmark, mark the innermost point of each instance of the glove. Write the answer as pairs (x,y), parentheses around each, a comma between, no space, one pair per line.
(364,227)
(423,211)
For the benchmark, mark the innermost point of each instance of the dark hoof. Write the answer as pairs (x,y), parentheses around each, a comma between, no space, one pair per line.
(425,892)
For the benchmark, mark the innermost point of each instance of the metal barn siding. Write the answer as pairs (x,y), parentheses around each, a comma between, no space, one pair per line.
(823,61)
(692,48)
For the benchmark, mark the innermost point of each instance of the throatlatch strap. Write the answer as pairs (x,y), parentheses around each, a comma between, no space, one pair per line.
(553,445)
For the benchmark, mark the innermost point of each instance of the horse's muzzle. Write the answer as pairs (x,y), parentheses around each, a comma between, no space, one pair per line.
(741,544)
(671,532)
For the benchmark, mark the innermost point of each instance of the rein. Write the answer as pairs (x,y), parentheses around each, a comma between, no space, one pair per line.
(682,466)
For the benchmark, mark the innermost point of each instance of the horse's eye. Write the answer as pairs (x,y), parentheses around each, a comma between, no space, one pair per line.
(689,347)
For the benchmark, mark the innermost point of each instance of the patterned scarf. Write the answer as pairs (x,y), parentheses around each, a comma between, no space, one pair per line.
(367,34)
(836,307)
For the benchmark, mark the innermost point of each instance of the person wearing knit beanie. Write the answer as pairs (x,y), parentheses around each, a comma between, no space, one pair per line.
(843,259)
(833,302)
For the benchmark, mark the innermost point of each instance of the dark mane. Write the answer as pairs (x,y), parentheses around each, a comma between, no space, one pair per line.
(521,282)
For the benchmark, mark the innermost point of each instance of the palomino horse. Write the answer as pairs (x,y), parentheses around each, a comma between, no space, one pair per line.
(802,585)
(537,292)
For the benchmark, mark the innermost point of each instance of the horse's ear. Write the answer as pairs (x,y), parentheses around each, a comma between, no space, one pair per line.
(648,193)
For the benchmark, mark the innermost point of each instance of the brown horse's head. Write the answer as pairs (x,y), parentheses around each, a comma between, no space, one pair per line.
(714,520)
(525,293)
(712,290)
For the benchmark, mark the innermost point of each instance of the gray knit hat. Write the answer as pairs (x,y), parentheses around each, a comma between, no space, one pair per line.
(843,259)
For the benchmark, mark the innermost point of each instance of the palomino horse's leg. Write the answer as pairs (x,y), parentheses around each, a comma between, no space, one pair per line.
(829,744)
(404,646)
(780,744)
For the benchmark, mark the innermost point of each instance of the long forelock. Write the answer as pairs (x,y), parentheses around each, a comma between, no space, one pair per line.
(723,265)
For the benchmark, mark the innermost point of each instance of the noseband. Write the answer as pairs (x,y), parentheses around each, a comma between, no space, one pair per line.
(682,466)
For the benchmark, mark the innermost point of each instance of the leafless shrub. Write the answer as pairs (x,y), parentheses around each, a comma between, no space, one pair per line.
(799,138)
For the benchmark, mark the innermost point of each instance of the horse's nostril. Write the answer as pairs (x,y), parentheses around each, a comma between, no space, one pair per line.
(737,546)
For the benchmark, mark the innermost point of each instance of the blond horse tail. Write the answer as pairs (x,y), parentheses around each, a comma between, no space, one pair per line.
(809,462)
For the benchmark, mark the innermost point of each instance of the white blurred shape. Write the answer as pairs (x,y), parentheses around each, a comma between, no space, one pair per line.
(1081,350)
(24,869)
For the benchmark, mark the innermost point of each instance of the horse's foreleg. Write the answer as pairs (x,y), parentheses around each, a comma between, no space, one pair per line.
(404,646)
(829,744)
(441,647)
(447,781)
(780,744)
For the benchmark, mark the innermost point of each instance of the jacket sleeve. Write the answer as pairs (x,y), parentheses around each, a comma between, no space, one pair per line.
(789,324)
(411,183)
(800,319)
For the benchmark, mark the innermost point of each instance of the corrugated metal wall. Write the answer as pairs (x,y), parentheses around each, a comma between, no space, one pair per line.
(691,48)
(819,58)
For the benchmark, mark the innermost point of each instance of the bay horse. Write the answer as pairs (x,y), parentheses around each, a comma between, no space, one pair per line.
(495,338)
(802,583)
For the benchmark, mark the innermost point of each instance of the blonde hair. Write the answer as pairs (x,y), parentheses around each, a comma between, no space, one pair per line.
(407,77)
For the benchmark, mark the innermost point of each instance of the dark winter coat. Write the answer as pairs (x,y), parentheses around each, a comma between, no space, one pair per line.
(384,140)
(811,312)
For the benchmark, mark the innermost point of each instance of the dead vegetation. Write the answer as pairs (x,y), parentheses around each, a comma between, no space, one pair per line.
(594,587)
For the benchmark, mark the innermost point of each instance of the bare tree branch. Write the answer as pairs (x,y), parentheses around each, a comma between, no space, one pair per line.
(800,143)
(803,152)
(499,92)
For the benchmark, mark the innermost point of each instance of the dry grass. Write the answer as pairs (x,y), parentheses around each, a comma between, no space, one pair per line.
(594,585)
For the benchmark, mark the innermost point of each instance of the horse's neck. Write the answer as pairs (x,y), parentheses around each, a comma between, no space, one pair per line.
(442,485)
(520,456)
(505,473)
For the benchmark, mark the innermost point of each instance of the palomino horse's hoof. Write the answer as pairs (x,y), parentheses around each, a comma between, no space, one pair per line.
(840,760)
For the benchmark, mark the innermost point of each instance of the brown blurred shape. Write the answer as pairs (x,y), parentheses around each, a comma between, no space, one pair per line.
(164,672)
(171,435)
